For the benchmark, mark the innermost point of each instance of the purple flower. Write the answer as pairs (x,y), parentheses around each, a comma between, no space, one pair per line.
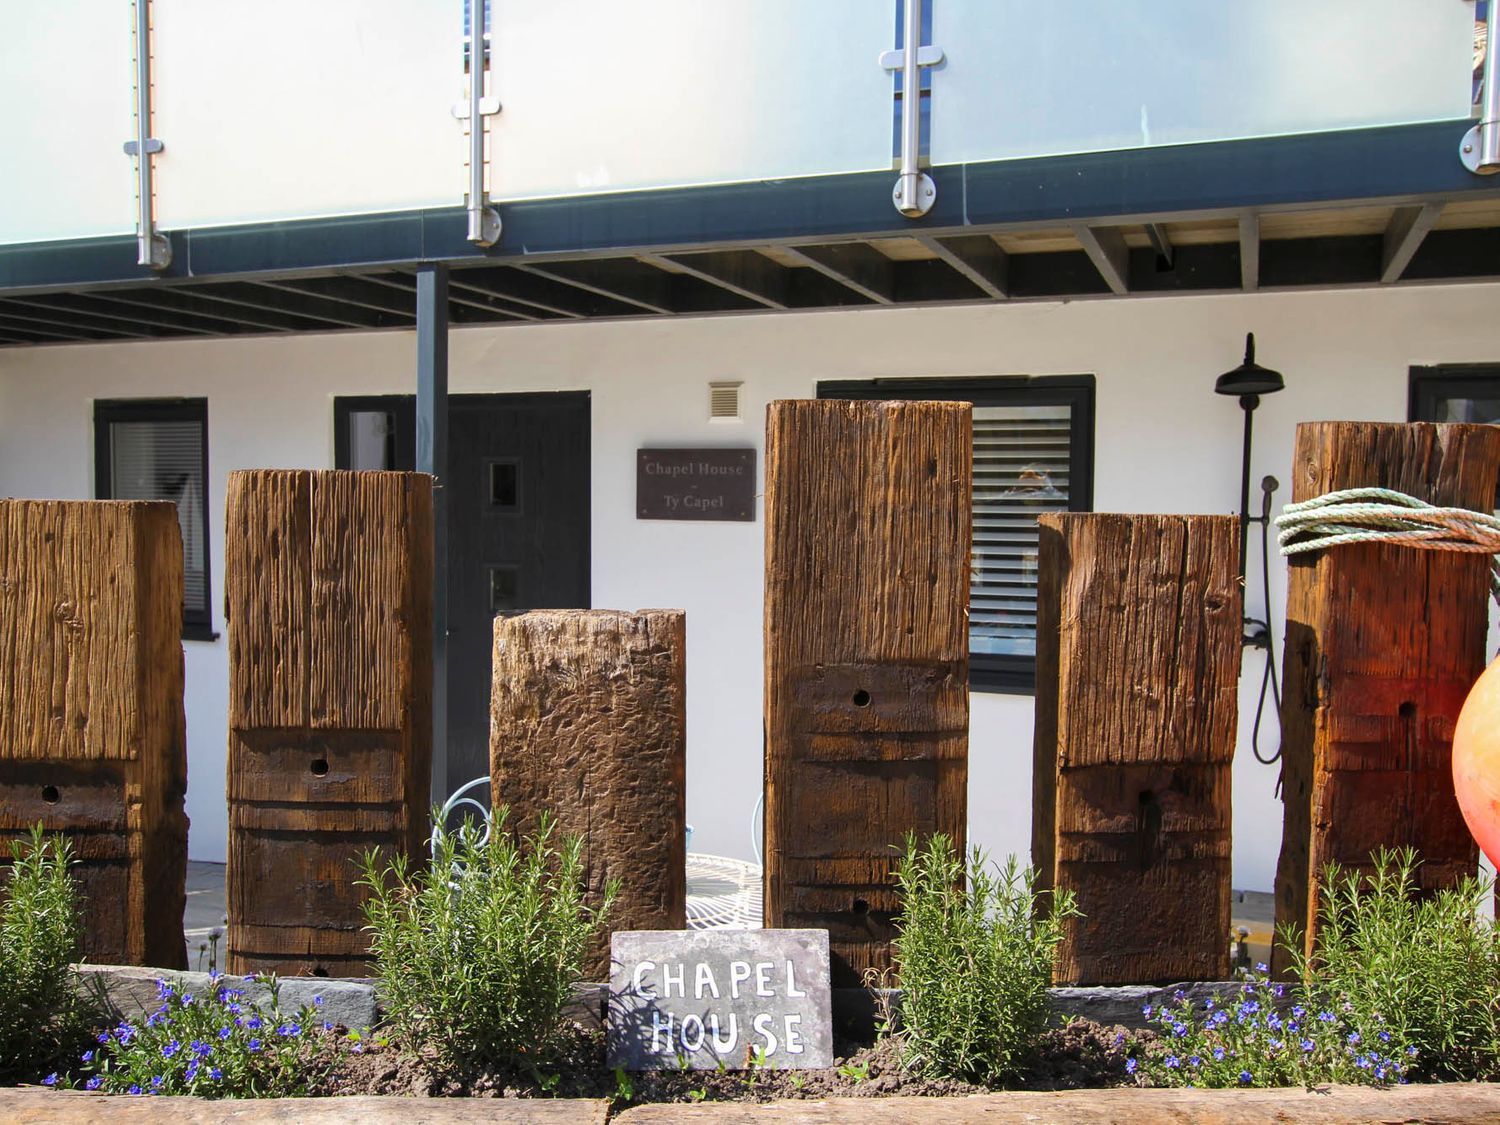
(1353,1038)
(1179,1029)
(1146,1011)
(1246,1077)
(287,1030)
(170,1049)
(215,1073)
(1218,1054)
(1411,1052)
(1172,1062)
(1384,1036)
(133,1090)
(192,1070)
(225,1032)
(163,989)
(327,1025)
(94,1083)
(50,1080)
(102,1037)
(1307,1046)
(1195,1060)
(253,1045)
(1130,1064)
(187,999)
(253,1023)
(318,1001)
(1261,967)
(1327,1017)
(88,1056)
(1179,995)
(157,1081)
(1298,1011)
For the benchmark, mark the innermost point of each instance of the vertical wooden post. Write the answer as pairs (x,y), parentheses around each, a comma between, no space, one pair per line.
(92,733)
(328,584)
(589,722)
(867,666)
(1383,642)
(1138,657)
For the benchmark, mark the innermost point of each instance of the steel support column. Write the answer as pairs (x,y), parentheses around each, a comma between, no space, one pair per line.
(432,457)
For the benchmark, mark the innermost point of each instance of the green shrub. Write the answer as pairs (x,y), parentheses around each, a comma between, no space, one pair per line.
(1259,1037)
(42,1016)
(1429,964)
(975,954)
(478,954)
(214,1046)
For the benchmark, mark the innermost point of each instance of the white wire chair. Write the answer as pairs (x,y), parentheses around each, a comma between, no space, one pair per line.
(722,893)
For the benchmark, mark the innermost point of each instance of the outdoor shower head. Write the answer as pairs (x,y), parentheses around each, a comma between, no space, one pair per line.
(1249,378)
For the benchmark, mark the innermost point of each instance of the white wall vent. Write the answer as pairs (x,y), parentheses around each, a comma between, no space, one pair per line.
(724,402)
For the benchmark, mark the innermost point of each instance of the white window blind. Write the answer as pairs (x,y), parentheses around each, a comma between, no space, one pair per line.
(1022,466)
(163,460)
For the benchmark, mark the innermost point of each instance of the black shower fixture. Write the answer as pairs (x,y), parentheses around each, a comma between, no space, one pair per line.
(1249,381)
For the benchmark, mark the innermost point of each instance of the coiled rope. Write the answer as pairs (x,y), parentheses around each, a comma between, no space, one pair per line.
(1383,515)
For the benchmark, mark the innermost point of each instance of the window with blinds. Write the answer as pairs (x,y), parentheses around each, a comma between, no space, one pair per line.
(149,449)
(1033,453)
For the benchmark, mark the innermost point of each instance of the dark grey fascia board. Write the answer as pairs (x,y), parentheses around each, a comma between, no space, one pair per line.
(1404,164)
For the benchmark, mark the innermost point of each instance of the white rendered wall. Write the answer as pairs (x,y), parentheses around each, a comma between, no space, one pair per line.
(1165,443)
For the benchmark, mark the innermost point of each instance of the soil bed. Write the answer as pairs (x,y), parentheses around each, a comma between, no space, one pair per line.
(1082,1054)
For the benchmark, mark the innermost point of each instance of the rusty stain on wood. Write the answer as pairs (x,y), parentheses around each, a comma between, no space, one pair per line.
(588,721)
(92,731)
(866,633)
(1138,655)
(1383,643)
(328,588)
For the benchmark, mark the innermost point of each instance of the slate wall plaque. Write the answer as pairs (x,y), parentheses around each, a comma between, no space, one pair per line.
(695,484)
(699,997)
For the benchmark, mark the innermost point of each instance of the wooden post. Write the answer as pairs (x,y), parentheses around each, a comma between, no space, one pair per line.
(867,666)
(1383,642)
(589,722)
(1138,658)
(328,588)
(92,733)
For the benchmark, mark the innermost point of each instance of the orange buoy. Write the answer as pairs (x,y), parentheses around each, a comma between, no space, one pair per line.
(1476,761)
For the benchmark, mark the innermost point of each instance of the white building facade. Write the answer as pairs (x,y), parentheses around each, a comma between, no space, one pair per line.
(699,194)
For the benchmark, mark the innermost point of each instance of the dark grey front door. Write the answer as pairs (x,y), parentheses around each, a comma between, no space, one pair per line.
(518,525)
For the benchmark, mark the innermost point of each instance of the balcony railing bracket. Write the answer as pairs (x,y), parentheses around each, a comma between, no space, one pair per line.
(914,193)
(152,249)
(1480,148)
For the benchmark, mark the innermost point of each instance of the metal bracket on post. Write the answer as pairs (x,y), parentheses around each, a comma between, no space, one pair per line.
(484,220)
(914,193)
(1480,149)
(152,249)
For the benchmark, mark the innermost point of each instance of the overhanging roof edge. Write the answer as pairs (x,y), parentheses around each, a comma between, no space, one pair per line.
(1387,164)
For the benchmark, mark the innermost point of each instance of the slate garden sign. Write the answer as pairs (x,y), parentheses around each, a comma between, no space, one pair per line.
(732,998)
(695,484)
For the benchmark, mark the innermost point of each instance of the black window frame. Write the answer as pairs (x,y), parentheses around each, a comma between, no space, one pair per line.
(1427,385)
(401,408)
(197,621)
(993,672)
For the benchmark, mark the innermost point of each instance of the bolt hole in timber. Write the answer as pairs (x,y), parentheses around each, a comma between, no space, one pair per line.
(861,698)
(50,794)
(860,908)
(319,766)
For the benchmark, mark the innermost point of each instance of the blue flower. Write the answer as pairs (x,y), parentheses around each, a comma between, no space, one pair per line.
(214,976)
(1353,1038)
(201,1048)
(125,1033)
(187,999)
(287,1030)
(1195,1060)
(88,1056)
(50,1080)
(133,1090)
(1172,1062)
(215,1073)
(1384,1036)
(1179,995)
(1273,1021)
(1307,1046)
(192,1070)
(253,1045)
(1146,1011)
(1298,1011)
(1327,1017)
(163,989)
(170,1049)
(1411,1052)
(318,1001)
(157,1081)
(1279,991)
(1246,1077)
(1179,1029)
(102,1037)
(225,1032)
(1261,967)
(1130,1064)
(253,1023)
(1380,1073)
(94,1083)
(1219,1054)
(327,1025)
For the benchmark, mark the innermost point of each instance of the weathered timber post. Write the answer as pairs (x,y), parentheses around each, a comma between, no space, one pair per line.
(1138,660)
(867,658)
(1383,643)
(328,587)
(92,734)
(588,721)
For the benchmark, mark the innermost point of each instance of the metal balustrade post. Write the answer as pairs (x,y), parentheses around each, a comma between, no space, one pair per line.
(152,249)
(432,457)
(1480,150)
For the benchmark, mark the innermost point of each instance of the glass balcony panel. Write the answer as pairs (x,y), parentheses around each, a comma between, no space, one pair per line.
(284,108)
(66,81)
(611,96)
(1023,79)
